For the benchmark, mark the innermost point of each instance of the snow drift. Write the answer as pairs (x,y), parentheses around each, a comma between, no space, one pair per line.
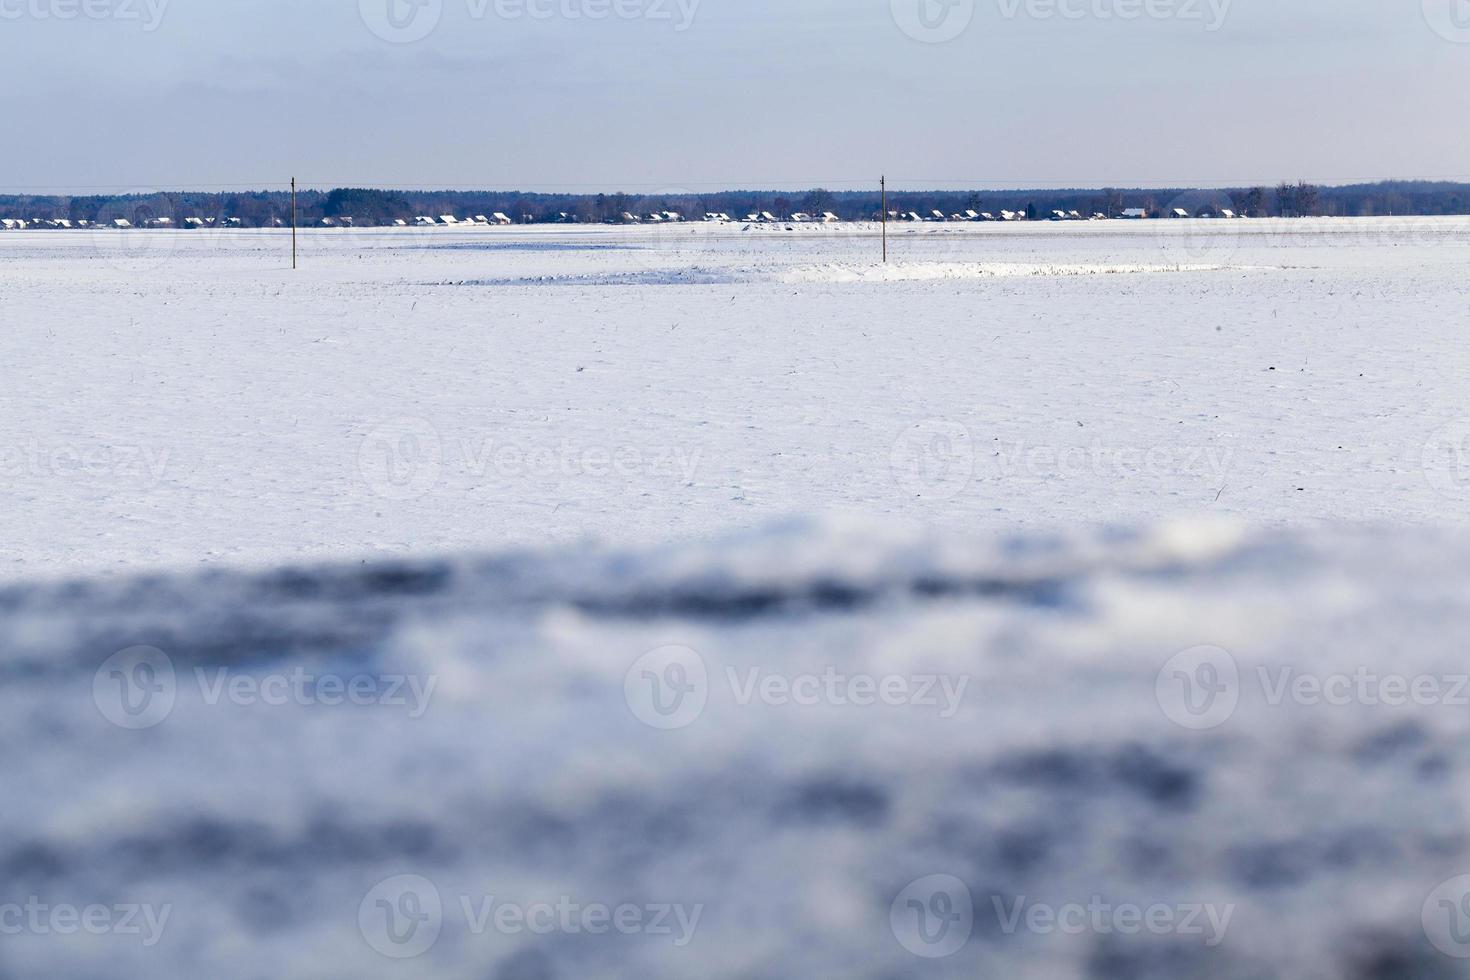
(817,751)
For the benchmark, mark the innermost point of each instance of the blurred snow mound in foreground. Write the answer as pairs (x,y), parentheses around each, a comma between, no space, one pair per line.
(782,737)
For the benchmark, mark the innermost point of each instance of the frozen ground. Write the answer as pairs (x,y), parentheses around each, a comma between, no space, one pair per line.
(168,399)
(821,751)
(946,724)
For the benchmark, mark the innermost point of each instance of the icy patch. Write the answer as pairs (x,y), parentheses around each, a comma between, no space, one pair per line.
(775,753)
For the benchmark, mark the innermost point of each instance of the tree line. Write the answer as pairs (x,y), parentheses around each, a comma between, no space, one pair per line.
(367,206)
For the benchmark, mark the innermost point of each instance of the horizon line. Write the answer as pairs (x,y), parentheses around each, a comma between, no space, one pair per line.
(696,189)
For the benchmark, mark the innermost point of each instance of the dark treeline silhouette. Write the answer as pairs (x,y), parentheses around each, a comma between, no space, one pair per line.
(368,207)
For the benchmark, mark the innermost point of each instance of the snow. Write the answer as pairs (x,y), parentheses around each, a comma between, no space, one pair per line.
(1051,762)
(733,581)
(174,398)
(921,271)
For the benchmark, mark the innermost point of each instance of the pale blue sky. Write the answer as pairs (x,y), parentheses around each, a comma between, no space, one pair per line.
(168,93)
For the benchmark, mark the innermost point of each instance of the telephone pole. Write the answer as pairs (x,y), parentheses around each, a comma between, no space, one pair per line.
(293,223)
(883,185)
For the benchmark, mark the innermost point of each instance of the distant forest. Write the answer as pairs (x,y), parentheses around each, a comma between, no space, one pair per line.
(368,207)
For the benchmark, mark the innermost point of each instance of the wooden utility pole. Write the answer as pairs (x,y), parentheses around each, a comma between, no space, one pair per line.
(293,222)
(883,185)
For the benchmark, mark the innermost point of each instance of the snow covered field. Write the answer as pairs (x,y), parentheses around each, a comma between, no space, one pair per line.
(1067,602)
(177,398)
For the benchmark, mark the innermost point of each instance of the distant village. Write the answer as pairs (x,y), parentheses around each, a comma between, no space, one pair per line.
(347,207)
(628,218)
